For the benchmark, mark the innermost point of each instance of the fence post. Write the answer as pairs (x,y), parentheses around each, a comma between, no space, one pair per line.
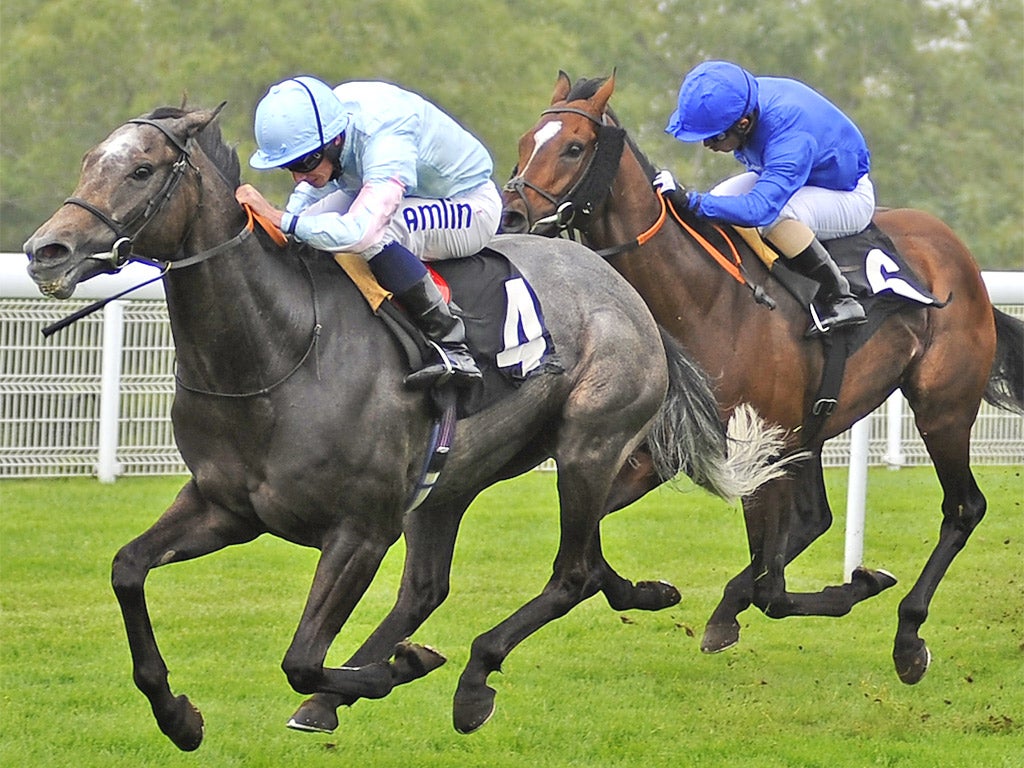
(856,495)
(107,467)
(894,458)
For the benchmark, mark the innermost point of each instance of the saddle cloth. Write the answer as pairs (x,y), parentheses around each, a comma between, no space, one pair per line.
(879,277)
(504,321)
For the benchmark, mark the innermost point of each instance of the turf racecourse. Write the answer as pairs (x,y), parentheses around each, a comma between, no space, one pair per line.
(597,688)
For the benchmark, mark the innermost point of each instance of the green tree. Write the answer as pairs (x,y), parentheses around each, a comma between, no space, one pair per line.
(936,85)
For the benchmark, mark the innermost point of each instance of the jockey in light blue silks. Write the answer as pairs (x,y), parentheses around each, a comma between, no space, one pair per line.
(383,173)
(807,169)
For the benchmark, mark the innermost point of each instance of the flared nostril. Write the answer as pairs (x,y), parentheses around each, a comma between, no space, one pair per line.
(513,222)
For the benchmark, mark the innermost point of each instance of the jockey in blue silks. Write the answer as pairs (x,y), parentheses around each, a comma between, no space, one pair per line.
(807,170)
(383,173)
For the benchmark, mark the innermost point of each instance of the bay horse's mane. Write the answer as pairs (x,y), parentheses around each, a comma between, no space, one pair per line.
(585,88)
(223,156)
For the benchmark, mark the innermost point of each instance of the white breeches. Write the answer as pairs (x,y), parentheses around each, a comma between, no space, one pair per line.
(829,213)
(434,229)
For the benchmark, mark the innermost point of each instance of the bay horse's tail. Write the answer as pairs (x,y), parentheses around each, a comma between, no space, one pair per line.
(1006,381)
(688,435)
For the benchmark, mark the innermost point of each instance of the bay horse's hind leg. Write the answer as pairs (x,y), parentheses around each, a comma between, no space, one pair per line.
(190,528)
(788,514)
(963,507)
(430,546)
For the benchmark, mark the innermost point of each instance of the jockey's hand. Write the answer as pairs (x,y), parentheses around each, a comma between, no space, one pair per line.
(249,195)
(665,183)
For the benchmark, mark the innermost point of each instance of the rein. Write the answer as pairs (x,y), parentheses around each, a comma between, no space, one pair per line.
(313,341)
(122,249)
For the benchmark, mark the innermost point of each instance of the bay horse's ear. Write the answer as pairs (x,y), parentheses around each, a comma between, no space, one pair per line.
(600,99)
(562,87)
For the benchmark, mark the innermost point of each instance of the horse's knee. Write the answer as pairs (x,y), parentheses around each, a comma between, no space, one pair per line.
(127,574)
(964,515)
(302,676)
(769,597)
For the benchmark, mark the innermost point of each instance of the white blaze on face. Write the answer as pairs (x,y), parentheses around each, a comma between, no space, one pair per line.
(118,147)
(544,134)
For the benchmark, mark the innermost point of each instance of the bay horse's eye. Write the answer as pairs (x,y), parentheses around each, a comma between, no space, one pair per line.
(142,173)
(574,150)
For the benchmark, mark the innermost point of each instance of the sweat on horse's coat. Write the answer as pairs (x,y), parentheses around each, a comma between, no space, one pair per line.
(944,361)
(325,455)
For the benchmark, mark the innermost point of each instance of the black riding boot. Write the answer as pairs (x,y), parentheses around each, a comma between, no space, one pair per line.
(840,306)
(430,312)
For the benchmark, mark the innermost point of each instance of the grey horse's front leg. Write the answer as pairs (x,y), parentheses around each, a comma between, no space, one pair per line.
(430,545)
(190,528)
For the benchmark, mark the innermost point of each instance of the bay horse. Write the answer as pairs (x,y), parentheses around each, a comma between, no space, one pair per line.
(578,170)
(291,416)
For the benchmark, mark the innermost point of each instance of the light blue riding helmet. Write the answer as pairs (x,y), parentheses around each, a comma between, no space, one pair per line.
(713,96)
(297,116)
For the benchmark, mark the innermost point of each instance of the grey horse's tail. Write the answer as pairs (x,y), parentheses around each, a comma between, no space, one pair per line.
(688,436)
(1006,381)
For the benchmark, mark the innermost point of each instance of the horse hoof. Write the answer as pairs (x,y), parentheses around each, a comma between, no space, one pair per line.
(911,666)
(186,728)
(875,580)
(413,661)
(314,717)
(656,595)
(472,710)
(719,637)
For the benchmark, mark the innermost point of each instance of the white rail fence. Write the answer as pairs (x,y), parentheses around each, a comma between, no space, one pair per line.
(95,398)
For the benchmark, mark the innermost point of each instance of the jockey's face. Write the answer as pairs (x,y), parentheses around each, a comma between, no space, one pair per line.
(318,174)
(317,177)
(724,142)
(732,138)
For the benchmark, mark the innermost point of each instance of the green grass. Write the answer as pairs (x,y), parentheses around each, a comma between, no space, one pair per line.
(597,688)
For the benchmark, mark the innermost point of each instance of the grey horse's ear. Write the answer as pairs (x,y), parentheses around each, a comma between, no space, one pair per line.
(195,122)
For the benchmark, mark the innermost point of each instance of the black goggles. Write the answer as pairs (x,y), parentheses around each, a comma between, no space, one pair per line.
(306,163)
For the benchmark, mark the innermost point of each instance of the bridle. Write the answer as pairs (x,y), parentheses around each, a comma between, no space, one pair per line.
(121,253)
(126,232)
(586,195)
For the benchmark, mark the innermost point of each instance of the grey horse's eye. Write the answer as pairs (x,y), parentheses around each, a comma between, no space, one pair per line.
(142,173)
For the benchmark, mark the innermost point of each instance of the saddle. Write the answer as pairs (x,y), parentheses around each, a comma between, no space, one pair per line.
(879,277)
(504,321)
(881,280)
(505,331)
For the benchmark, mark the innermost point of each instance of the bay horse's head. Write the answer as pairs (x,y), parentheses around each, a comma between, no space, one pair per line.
(140,174)
(567,161)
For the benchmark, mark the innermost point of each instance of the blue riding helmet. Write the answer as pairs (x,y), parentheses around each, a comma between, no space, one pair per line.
(295,117)
(714,95)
